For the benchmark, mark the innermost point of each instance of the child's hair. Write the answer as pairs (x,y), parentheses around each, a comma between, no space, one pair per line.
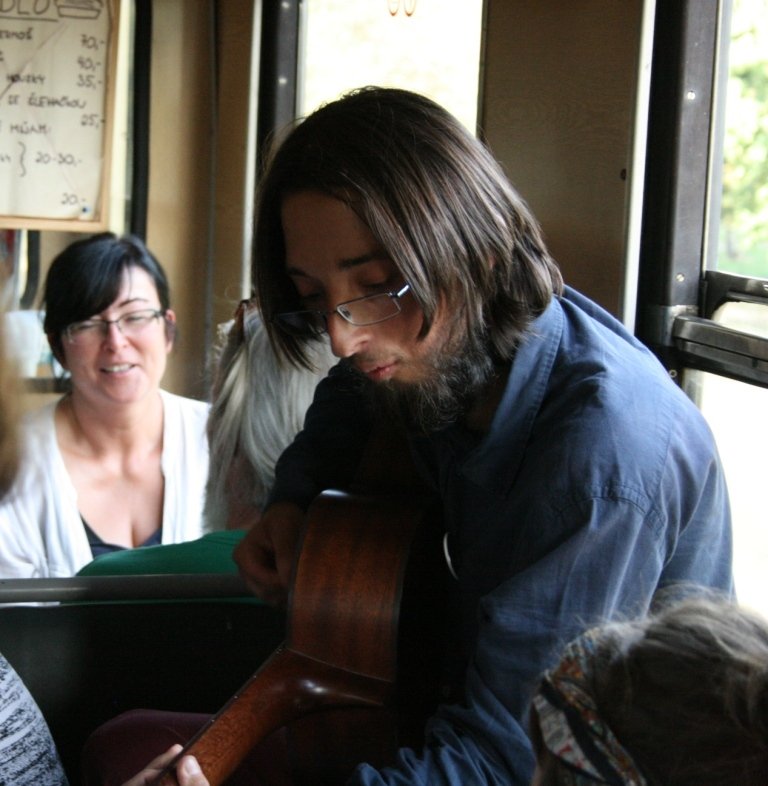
(259,402)
(679,699)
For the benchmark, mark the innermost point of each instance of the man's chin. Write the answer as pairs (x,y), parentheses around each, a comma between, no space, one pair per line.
(431,404)
(439,397)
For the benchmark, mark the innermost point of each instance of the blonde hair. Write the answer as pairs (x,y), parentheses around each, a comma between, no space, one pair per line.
(259,402)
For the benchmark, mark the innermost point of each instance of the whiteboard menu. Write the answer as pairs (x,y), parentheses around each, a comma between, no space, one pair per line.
(57,63)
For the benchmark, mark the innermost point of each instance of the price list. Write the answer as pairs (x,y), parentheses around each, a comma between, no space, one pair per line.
(55,66)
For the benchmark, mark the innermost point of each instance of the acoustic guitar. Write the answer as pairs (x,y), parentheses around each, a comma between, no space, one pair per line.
(358,673)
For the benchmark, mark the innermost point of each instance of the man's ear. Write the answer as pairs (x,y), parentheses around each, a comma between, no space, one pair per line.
(170,327)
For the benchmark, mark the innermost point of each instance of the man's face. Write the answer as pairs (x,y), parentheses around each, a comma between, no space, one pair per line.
(332,257)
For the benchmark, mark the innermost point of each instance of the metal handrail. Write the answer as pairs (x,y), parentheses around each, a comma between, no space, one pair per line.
(178,586)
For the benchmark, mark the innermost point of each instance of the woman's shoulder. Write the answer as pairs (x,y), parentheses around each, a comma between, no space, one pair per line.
(40,415)
(41,475)
(38,425)
(185,427)
(186,407)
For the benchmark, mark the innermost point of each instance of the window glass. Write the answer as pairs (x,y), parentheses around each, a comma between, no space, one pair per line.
(743,229)
(736,414)
(430,46)
(739,244)
(745,317)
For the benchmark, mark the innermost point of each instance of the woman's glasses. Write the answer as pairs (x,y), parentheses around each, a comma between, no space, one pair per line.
(90,331)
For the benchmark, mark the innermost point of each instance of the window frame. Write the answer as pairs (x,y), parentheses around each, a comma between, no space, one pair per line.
(678,295)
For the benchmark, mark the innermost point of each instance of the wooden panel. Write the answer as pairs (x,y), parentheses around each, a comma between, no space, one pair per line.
(558,110)
(235,157)
(180,176)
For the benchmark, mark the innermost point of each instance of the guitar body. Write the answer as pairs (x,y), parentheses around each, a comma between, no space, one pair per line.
(365,600)
(357,675)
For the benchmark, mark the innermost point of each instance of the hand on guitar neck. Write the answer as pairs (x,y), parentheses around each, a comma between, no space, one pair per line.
(188,772)
(344,670)
(362,570)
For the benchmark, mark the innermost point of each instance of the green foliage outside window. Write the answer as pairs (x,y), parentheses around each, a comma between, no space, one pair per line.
(743,244)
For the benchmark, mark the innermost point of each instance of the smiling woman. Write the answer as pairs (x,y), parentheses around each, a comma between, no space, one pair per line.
(117,462)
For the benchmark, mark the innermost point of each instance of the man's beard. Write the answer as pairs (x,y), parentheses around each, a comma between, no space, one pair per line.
(455,376)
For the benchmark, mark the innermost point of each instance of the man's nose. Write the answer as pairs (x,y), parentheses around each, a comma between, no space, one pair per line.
(346,338)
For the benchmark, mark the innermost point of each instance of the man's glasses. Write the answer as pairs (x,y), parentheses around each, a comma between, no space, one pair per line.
(368,310)
(132,324)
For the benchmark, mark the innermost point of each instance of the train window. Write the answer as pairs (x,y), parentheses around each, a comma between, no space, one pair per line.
(704,257)
(735,411)
(346,45)
(741,245)
(737,280)
(703,287)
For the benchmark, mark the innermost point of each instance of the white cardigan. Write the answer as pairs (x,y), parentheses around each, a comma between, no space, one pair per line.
(41,531)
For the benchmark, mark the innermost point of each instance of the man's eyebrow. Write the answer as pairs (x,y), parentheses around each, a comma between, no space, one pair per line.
(345,264)
(371,256)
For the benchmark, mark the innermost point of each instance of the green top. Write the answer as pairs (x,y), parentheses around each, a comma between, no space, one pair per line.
(211,553)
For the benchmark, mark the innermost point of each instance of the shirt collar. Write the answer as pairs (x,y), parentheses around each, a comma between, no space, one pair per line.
(496,461)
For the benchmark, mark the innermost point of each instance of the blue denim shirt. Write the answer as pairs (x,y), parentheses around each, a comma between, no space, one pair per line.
(598,484)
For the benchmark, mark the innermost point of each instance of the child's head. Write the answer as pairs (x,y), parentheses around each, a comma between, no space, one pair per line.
(679,699)
(258,407)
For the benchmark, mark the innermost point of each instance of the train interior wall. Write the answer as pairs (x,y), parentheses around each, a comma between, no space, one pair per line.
(558,101)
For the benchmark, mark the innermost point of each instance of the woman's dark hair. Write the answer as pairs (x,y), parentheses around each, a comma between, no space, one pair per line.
(85,278)
(432,196)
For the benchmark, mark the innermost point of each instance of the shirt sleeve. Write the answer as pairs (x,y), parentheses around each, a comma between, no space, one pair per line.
(607,567)
(20,546)
(28,755)
(327,451)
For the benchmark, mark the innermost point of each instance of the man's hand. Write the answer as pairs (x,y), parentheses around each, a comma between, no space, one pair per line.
(188,772)
(265,555)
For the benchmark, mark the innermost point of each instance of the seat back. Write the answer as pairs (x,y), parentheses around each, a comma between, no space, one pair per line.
(86,662)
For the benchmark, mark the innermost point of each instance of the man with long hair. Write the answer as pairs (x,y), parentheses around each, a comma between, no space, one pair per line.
(574,478)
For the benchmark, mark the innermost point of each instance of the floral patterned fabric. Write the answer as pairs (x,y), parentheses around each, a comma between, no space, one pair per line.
(572,728)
